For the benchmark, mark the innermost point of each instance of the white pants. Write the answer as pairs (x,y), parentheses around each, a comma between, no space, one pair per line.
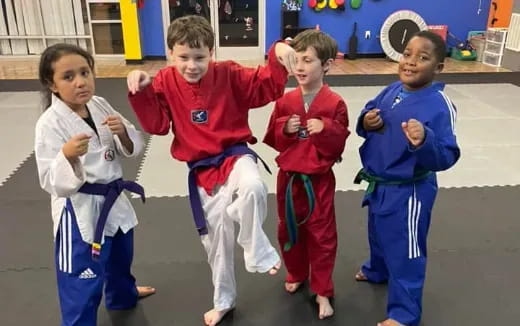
(243,200)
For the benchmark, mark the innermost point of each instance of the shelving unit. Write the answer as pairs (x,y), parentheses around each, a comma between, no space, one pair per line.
(290,24)
(494,48)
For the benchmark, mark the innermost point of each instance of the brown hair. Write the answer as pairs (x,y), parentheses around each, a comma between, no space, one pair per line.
(325,46)
(46,71)
(194,30)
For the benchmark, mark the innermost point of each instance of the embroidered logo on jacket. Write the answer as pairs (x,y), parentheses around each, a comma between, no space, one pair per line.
(110,155)
(199,116)
(87,274)
(303,133)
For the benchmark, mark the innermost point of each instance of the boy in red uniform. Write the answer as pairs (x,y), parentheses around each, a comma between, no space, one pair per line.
(206,104)
(309,127)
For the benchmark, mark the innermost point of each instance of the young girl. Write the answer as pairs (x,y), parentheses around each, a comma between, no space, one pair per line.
(79,142)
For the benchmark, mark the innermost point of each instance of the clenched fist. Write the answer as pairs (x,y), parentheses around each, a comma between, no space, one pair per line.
(116,125)
(314,126)
(414,132)
(76,147)
(292,125)
(286,56)
(372,120)
(137,80)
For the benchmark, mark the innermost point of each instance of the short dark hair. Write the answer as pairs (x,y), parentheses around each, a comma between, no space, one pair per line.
(194,30)
(46,69)
(439,45)
(325,46)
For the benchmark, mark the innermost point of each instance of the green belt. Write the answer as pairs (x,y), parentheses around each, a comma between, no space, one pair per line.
(373,180)
(290,214)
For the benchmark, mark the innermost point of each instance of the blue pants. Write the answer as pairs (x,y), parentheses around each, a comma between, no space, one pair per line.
(397,241)
(81,279)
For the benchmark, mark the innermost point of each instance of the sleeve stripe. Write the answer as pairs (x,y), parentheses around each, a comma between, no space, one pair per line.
(452,110)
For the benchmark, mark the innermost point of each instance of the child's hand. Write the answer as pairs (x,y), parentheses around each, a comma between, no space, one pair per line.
(372,120)
(137,80)
(414,131)
(76,147)
(286,56)
(116,125)
(292,125)
(314,126)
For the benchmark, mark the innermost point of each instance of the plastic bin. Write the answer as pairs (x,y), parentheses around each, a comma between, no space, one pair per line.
(494,48)
(496,35)
(492,59)
(457,55)
(478,43)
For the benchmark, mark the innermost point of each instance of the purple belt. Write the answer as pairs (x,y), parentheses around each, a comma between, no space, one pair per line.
(212,161)
(111,191)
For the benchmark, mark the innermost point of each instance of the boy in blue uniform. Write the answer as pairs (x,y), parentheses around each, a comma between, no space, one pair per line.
(409,131)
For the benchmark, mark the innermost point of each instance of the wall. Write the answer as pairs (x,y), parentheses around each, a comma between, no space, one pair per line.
(511,59)
(502,15)
(150,21)
(460,16)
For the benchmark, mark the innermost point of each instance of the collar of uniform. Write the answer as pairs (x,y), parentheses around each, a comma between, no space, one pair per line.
(317,98)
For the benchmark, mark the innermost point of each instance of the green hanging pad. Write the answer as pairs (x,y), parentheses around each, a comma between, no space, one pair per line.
(355,4)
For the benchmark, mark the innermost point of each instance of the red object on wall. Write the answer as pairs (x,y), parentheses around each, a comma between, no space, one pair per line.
(441,30)
(140,4)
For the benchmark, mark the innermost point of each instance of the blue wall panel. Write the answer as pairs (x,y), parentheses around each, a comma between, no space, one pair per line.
(151,25)
(460,15)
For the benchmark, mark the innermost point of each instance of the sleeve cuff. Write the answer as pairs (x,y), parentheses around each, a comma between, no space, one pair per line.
(72,172)
(277,69)
(427,144)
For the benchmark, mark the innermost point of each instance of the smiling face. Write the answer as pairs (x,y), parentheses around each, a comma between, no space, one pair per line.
(191,63)
(419,63)
(73,81)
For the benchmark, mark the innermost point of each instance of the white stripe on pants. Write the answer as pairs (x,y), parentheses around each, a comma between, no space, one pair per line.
(243,200)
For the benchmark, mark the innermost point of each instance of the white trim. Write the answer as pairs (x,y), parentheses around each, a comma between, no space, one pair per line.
(225,53)
(410,227)
(244,52)
(69,241)
(513,35)
(60,248)
(451,109)
(65,241)
(78,20)
(418,250)
(165,8)
(29,37)
(102,1)
(105,21)
(414,213)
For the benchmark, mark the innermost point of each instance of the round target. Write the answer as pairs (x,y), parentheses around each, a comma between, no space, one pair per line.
(397,30)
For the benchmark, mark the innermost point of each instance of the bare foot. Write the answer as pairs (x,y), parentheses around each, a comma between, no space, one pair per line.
(361,277)
(213,317)
(145,291)
(390,322)
(325,308)
(292,287)
(274,270)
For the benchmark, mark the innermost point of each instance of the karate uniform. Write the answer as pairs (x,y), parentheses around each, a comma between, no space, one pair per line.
(312,155)
(207,118)
(75,214)
(399,213)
